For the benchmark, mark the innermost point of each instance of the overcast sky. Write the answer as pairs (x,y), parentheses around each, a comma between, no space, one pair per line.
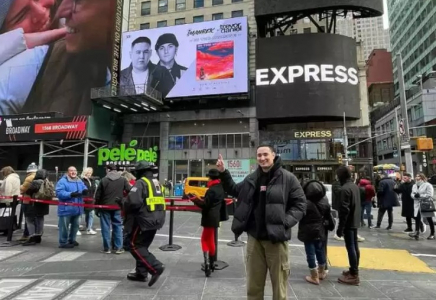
(385,17)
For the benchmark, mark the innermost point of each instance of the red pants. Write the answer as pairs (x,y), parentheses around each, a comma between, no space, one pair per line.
(208,240)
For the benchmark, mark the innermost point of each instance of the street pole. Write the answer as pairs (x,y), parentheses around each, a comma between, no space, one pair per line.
(398,138)
(406,144)
(345,142)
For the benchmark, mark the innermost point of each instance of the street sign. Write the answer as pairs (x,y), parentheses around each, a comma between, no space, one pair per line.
(401,127)
(352,152)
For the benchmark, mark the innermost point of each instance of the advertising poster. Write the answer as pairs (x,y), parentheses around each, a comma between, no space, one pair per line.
(206,58)
(21,129)
(238,168)
(55,51)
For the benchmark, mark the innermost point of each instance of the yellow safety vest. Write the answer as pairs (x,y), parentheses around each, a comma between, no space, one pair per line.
(155,196)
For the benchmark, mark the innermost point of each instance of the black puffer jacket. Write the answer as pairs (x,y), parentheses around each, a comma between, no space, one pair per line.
(90,185)
(311,227)
(110,188)
(285,202)
(349,208)
(386,196)
(212,204)
(37,209)
(136,212)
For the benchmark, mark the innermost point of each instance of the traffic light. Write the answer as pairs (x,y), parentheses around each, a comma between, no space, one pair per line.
(340,158)
(424,144)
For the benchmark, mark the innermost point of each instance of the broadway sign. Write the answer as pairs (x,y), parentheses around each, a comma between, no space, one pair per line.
(17,129)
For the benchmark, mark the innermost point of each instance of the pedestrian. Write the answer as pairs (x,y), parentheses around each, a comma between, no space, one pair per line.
(30,175)
(387,199)
(367,193)
(11,182)
(42,189)
(270,202)
(111,187)
(349,222)
(407,207)
(423,191)
(144,215)
(71,189)
(312,230)
(89,182)
(336,195)
(211,206)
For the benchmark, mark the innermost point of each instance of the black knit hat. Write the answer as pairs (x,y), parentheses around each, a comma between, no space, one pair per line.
(166,38)
(407,174)
(213,174)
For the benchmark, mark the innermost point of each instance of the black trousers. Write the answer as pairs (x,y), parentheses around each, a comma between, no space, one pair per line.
(381,214)
(419,226)
(409,222)
(352,245)
(139,244)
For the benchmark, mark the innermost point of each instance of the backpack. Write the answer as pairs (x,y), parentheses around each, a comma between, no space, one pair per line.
(46,191)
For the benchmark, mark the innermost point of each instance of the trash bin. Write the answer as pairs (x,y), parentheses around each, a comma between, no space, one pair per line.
(178,190)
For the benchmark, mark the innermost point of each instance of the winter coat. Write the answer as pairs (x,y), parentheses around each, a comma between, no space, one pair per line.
(11,185)
(90,186)
(349,208)
(285,201)
(110,188)
(136,211)
(367,191)
(212,204)
(407,202)
(311,227)
(386,195)
(37,209)
(64,188)
(336,194)
(26,184)
(425,190)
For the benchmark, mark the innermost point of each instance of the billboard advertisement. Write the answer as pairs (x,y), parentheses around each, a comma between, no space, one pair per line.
(55,51)
(307,75)
(238,168)
(206,58)
(20,129)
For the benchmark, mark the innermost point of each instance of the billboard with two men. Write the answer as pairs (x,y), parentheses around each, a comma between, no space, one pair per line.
(206,58)
(53,52)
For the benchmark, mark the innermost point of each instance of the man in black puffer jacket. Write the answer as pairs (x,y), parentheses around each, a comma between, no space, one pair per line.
(270,202)
(349,222)
(111,188)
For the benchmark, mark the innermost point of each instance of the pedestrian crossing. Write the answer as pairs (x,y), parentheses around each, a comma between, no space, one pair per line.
(51,289)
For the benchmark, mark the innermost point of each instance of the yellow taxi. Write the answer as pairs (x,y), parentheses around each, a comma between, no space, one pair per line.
(196,186)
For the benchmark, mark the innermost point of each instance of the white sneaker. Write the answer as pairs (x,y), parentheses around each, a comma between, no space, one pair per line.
(424,227)
(91,232)
(79,233)
(338,238)
(360,239)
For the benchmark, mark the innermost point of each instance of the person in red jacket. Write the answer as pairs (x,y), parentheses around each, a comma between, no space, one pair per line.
(367,192)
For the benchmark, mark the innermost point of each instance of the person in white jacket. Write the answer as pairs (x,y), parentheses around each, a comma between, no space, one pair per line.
(422,190)
(25,35)
(11,182)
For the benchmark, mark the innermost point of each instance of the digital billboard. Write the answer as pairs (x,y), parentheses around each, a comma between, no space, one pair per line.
(206,58)
(307,75)
(55,51)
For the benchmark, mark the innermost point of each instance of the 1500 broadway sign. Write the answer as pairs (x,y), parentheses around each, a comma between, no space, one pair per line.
(206,58)
(127,154)
(307,75)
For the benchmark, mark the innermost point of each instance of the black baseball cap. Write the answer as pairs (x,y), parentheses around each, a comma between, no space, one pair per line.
(111,167)
(166,38)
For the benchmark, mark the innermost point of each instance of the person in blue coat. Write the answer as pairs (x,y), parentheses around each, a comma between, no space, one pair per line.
(70,188)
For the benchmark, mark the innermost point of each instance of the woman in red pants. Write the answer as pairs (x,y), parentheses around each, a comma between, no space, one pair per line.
(210,218)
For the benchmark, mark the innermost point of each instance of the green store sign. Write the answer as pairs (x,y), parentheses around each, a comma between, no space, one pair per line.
(126,154)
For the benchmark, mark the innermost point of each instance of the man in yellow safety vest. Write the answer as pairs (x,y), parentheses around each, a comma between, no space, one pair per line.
(144,215)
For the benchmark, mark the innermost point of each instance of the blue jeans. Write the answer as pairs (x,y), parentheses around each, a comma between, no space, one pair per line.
(108,218)
(68,236)
(315,251)
(366,208)
(89,219)
(352,245)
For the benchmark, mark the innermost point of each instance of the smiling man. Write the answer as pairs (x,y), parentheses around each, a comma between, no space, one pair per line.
(270,202)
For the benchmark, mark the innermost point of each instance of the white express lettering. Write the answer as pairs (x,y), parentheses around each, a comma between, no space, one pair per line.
(311,73)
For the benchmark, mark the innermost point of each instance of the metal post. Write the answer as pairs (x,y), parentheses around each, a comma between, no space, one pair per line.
(170,246)
(219,264)
(400,159)
(41,154)
(85,154)
(406,144)
(345,142)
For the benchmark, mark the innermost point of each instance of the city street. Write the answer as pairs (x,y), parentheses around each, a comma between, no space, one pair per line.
(393,267)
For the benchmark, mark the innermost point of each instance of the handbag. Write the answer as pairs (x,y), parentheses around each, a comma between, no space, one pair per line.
(329,223)
(426,205)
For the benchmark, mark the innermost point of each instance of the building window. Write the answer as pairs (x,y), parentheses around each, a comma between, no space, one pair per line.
(234,1)
(198,19)
(307,30)
(237,13)
(144,26)
(180,21)
(217,2)
(198,3)
(218,16)
(180,4)
(161,23)
(163,6)
(145,8)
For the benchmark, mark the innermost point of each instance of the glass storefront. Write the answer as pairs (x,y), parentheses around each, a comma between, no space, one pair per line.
(212,141)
